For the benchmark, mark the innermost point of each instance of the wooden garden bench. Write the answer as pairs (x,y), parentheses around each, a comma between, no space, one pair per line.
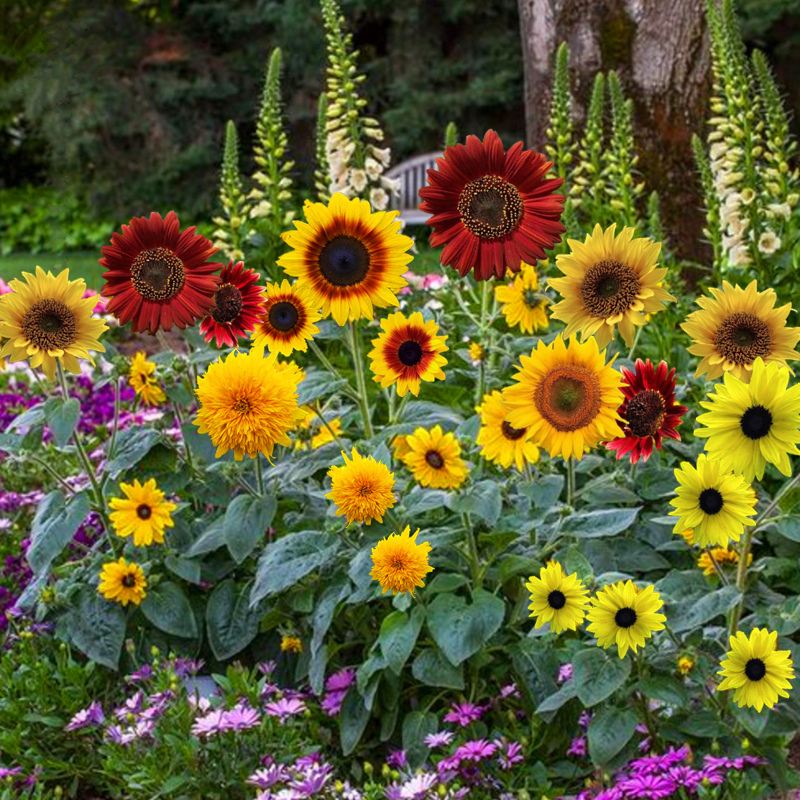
(411,176)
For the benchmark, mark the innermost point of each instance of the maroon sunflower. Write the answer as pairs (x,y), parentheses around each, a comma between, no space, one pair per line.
(157,275)
(649,410)
(490,209)
(238,305)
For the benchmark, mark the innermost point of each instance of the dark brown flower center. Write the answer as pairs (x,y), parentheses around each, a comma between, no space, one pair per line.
(742,338)
(710,501)
(434,459)
(556,599)
(50,325)
(344,261)
(490,207)
(157,274)
(756,422)
(283,316)
(568,397)
(645,413)
(512,433)
(129,581)
(625,617)
(755,669)
(410,353)
(144,511)
(608,288)
(228,303)
(531,298)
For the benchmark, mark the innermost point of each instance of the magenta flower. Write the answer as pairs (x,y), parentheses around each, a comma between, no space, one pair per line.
(131,707)
(464,714)
(564,673)
(577,747)
(6,772)
(142,674)
(397,759)
(210,724)
(92,715)
(509,690)
(512,755)
(313,781)
(284,708)
(240,717)
(340,681)
(439,739)
(653,787)
(417,788)
(475,750)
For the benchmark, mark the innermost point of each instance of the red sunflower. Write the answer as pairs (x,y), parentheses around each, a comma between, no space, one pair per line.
(649,410)
(237,307)
(158,275)
(490,209)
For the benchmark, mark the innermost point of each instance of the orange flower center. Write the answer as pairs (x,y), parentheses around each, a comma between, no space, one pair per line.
(568,397)
(157,274)
(608,288)
(490,207)
(344,261)
(645,413)
(283,316)
(228,303)
(742,338)
(50,325)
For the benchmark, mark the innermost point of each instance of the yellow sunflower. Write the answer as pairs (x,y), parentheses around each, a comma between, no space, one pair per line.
(407,352)
(566,397)
(557,599)
(247,404)
(735,327)
(141,377)
(348,258)
(122,582)
(714,504)
(711,560)
(143,512)
(750,424)
(609,281)
(685,665)
(399,563)
(287,323)
(522,302)
(291,644)
(327,433)
(400,447)
(434,458)
(499,441)
(476,353)
(47,319)
(361,489)
(625,616)
(757,672)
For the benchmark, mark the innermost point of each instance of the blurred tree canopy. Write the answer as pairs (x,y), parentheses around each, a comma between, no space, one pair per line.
(125,101)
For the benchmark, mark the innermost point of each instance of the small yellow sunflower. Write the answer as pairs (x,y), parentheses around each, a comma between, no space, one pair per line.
(291,644)
(143,512)
(407,352)
(609,281)
(434,458)
(141,377)
(714,504)
(711,560)
(757,672)
(399,563)
(287,323)
(735,327)
(750,424)
(476,353)
(361,489)
(123,582)
(625,616)
(558,599)
(47,319)
(348,258)
(400,447)
(566,397)
(327,433)
(685,665)
(247,404)
(499,441)
(522,302)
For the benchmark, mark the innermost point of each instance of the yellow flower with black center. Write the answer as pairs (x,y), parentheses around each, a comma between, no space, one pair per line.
(287,322)
(735,327)
(751,424)
(625,616)
(347,258)
(716,505)
(499,441)
(407,352)
(247,404)
(141,377)
(123,582)
(685,665)
(434,458)
(143,513)
(566,397)
(291,644)
(523,304)
(47,319)
(361,489)
(610,280)
(400,563)
(756,670)
(557,599)
(400,447)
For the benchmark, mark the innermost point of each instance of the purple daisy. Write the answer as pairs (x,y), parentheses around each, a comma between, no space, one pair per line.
(439,739)
(91,715)
(284,708)
(464,714)
(653,787)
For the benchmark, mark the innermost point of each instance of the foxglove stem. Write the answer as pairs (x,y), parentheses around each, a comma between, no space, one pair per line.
(361,384)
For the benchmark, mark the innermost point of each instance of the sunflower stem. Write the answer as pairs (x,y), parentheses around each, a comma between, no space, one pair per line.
(741,581)
(323,359)
(361,383)
(259,475)
(327,426)
(482,333)
(475,568)
(635,343)
(113,443)
(395,522)
(717,567)
(570,481)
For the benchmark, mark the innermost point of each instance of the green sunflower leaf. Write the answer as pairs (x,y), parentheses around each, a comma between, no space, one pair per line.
(598,674)
(609,731)
(246,522)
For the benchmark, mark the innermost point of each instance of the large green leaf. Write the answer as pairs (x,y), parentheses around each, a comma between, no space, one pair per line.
(460,629)
(691,612)
(289,559)
(318,383)
(558,699)
(536,668)
(230,621)
(431,668)
(321,618)
(594,524)
(598,675)
(246,522)
(419,500)
(212,538)
(132,446)
(168,608)
(53,527)
(62,417)
(483,499)
(609,731)
(27,419)
(398,635)
(352,721)
(96,627)
(416,726)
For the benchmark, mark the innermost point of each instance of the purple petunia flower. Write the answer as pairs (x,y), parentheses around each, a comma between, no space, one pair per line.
(284,708)
(512,755)
(9,772)
(92,715)
(475,750)
(340,681)
(439,739)
(142,674)
(464,714)
(584,719)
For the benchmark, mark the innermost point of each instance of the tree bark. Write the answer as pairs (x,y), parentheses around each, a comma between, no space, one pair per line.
(660,50)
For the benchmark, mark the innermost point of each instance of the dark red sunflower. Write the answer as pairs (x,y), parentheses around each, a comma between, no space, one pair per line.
(649,410)
(490,209)
(157,275)
(237,307)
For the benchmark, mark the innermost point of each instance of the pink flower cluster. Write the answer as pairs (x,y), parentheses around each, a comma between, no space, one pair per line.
(422,282)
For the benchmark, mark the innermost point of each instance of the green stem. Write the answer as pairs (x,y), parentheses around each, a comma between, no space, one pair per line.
(390,515)
(485,290)
(475,568)
(570,481)
(717,567)
(259,475)
(635,342)
(42,463)
(323,359)
(741,581)
(361,383)
(326,425)
(115,426)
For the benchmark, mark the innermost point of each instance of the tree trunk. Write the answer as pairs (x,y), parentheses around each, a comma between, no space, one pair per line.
(660,50)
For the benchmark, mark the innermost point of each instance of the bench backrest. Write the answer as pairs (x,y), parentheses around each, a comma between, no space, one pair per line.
(411,176)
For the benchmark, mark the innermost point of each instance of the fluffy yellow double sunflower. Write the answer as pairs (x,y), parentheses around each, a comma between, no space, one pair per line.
(361,489)
(500,442)
(287,322)
(523,304)
(557,598)
(566,397)
(400,563)
(434,458)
